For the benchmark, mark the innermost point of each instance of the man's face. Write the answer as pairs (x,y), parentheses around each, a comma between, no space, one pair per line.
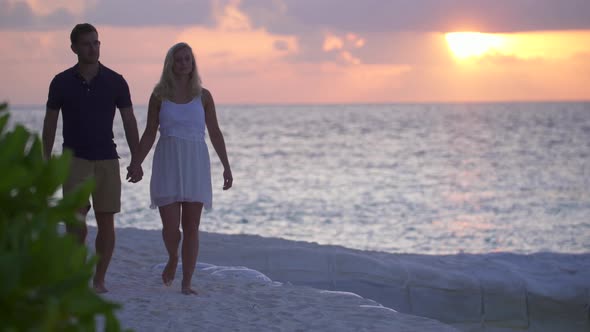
(87,48)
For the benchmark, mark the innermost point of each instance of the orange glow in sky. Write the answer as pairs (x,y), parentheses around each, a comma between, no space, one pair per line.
(529,45)
(470,44)
(242,59)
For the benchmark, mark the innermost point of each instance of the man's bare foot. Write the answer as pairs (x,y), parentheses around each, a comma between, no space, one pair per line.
(99,288)
(169,271)
(188,291)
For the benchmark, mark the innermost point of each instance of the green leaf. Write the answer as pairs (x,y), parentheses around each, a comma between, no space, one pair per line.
(10,265)
(44,283)
(3,122)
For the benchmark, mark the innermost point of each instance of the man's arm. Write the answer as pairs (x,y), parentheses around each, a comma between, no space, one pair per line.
(130,126)
(49,128)
(132,135)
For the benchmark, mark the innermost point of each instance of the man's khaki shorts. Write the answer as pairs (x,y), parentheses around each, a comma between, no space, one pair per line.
(106,196)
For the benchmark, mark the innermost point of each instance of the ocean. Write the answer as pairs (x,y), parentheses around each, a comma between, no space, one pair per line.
(398,178)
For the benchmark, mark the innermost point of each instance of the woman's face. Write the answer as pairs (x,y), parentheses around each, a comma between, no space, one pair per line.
(183,62)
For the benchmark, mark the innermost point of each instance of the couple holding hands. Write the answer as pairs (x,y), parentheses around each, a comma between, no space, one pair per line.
(179,107)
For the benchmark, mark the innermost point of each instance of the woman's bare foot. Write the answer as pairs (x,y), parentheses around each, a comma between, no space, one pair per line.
(169,271)
(188,291)
(99,288)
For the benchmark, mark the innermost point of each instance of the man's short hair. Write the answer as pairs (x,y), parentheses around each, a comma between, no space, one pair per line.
(80,29)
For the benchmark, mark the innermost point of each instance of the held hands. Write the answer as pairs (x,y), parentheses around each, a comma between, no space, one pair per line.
(227,179)
(134,173)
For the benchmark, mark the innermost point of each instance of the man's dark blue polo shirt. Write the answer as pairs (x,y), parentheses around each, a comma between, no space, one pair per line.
(88,110)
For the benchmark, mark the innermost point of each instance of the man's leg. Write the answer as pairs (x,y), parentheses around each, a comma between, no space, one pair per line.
(80,171)
(80,231)
(107,202)
(105,244)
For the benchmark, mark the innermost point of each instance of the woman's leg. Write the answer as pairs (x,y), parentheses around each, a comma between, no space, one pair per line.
(191,218)
(170,215)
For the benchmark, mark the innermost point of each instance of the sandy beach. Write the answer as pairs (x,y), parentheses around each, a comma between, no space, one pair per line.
(250,283)
(234,299)
(394,165)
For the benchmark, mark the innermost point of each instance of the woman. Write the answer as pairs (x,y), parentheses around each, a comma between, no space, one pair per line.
(181,178)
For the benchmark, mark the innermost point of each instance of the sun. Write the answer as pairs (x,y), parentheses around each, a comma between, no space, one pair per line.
(472,44)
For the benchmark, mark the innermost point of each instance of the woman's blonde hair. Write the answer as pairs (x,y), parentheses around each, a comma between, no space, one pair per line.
(165,87)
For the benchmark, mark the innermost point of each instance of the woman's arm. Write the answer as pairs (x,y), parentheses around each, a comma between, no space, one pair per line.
(217,137)
(149,134)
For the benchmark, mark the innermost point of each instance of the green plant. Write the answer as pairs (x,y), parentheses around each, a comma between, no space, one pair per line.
(44,283)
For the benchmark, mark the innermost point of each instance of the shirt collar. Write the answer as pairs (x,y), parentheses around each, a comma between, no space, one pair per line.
(76,73)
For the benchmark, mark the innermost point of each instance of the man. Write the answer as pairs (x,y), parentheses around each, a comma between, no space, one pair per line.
(87,94)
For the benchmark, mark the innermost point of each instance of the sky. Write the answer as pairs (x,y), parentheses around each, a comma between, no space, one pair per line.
(314,51)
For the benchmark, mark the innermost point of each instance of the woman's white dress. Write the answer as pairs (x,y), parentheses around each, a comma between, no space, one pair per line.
(181,170)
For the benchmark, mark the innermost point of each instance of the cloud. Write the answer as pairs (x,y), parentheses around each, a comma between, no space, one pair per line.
(151,12)
(310,51)
(20,15)
(281,45)
(386,29)
(288,16)
(416,48)
(294,16)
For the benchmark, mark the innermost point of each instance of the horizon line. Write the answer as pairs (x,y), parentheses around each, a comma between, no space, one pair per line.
(249,104)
